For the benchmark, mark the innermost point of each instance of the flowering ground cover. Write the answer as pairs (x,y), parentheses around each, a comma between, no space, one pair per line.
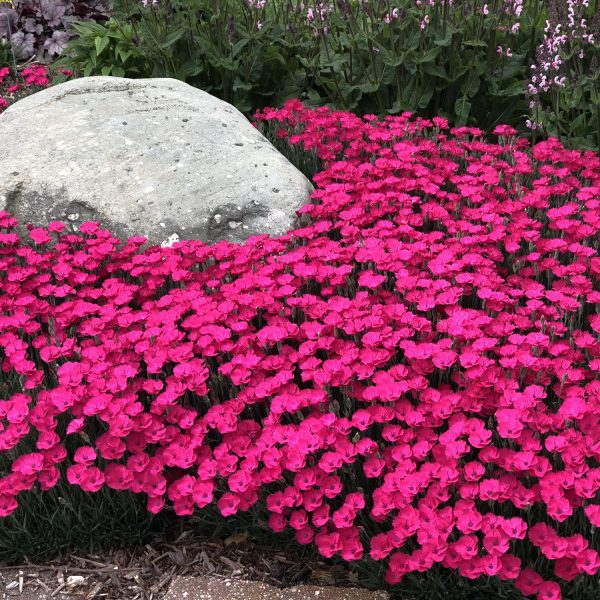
(25,81)
(410,377)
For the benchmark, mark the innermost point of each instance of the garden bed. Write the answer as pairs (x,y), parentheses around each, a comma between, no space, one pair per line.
(407,383)
(403,393)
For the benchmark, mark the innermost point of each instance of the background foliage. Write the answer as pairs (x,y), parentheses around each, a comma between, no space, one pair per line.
(40,29)
(472,62)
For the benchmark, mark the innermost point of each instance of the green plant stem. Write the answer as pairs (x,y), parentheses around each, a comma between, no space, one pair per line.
(597,122)
(333,73)
(533,31)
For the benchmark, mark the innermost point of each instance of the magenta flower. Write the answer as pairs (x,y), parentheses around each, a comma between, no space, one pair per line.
(429,336)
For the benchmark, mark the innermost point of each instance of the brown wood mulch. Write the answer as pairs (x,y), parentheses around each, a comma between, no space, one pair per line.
(145,573)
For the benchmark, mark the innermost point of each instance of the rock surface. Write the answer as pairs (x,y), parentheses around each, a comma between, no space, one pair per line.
(211,588)
(153,157)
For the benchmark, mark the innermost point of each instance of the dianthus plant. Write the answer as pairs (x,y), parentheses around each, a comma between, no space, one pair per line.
(412,375)
(16,85)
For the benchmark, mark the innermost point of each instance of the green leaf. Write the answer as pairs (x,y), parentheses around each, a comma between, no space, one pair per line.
(224,62)
(100,42)
(428,57)
(425,95)
(191,68)
(124,54)
(397,107)
(574,101)
(445,41)
(106,70)
(455,75)
(514,67)
(239,46)
(305,62)
(435,71)
(117,34)
(390,59)
(173,37)
(337,61)
(209,51)
(577,123)
(367,87)
(470,86)
(474,44)
(516,88)
(351,94)
(412,43)
(244,106)
(462,108)
(118,72)
(272,55)
(89,28)
(238,84)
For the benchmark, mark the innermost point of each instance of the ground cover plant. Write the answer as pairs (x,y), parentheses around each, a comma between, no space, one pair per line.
(408,378)
(25,80)
(530,63)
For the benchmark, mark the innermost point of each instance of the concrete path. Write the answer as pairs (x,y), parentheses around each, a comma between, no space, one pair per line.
(29,586)
(212,588)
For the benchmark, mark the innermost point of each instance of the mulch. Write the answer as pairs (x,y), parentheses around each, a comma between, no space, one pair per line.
(144,573)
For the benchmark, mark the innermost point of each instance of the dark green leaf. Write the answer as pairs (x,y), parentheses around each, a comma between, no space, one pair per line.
(425,95)
(457,71)
(470,87)
(367,87)
(516,88)
(238,84)
(578,122)
(390,59)
(514,67)
(305,62)
(239,46)
(272,55)
(444,41)
(337,61)
(428,56)
(173,37)
(397,107)
(462,108)
(436,71)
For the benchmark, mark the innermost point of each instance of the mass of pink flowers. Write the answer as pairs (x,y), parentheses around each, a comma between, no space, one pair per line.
(412,374)
(26,81)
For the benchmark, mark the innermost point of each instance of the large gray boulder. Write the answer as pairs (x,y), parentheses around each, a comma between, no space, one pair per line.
(153,157)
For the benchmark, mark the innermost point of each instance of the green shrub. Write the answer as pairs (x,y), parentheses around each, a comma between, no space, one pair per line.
(105,49)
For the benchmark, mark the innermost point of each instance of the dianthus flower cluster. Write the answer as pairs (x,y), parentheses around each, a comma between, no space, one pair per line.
(27,81)
(412,374)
